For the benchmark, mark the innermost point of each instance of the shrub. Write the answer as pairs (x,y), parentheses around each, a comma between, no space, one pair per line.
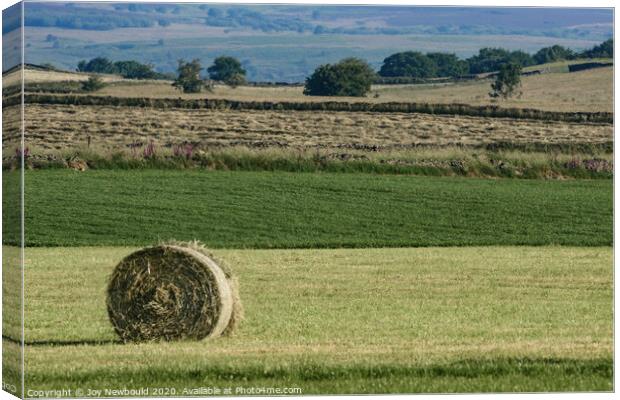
(491,59)
(127,69)
(553,53)
(93,84)
(349,77)
(235,80)
(99,65)
(448,64)
(188,79)
(409,63)
(135,70)
(507,81)
(225,69)
(603,50)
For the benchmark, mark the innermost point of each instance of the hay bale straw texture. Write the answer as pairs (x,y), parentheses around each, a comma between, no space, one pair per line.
(172,291)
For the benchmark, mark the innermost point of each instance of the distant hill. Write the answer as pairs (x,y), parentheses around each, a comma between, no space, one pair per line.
(285,42)
(556,22)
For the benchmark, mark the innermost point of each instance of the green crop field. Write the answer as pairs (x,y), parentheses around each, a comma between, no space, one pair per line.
(344,321)
(288,210)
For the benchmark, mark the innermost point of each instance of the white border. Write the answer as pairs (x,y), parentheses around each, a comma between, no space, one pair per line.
(478,3)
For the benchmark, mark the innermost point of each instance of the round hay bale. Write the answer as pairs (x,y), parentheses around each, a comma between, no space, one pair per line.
(172,291)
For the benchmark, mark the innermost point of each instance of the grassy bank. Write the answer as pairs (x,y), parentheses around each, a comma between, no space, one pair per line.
(346,321)
(283,210)
(558,162)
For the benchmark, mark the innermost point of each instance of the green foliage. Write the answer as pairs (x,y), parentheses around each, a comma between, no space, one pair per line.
(93,84)
(507,81)
(135,70)
(448,64)
(188,79)
(521,58)
(603,50)
(487,60)
(553,53)
(491,59)
(419,66)
(331,210)
(349,77)
(235,80)
(100,65)
(127,69)
(224,68)
(409,63)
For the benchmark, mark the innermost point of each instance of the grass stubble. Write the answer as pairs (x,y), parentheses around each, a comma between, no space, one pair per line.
(347,321)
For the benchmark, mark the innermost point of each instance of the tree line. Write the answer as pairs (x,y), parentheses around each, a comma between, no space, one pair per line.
(431,65)
(129,69)
(354,77)
(224,69)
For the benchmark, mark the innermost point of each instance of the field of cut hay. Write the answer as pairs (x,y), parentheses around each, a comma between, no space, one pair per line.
(345,321)
(60,126)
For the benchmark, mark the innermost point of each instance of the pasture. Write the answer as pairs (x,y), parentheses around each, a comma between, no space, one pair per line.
(406,320)
(556,91)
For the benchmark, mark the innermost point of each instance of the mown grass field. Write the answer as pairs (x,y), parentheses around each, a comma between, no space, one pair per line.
(284,210)
(53,127)
(345,321)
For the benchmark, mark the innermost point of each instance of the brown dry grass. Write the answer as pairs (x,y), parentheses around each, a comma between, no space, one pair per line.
(61,127)
(590,90)
(11,126)
(35,76)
